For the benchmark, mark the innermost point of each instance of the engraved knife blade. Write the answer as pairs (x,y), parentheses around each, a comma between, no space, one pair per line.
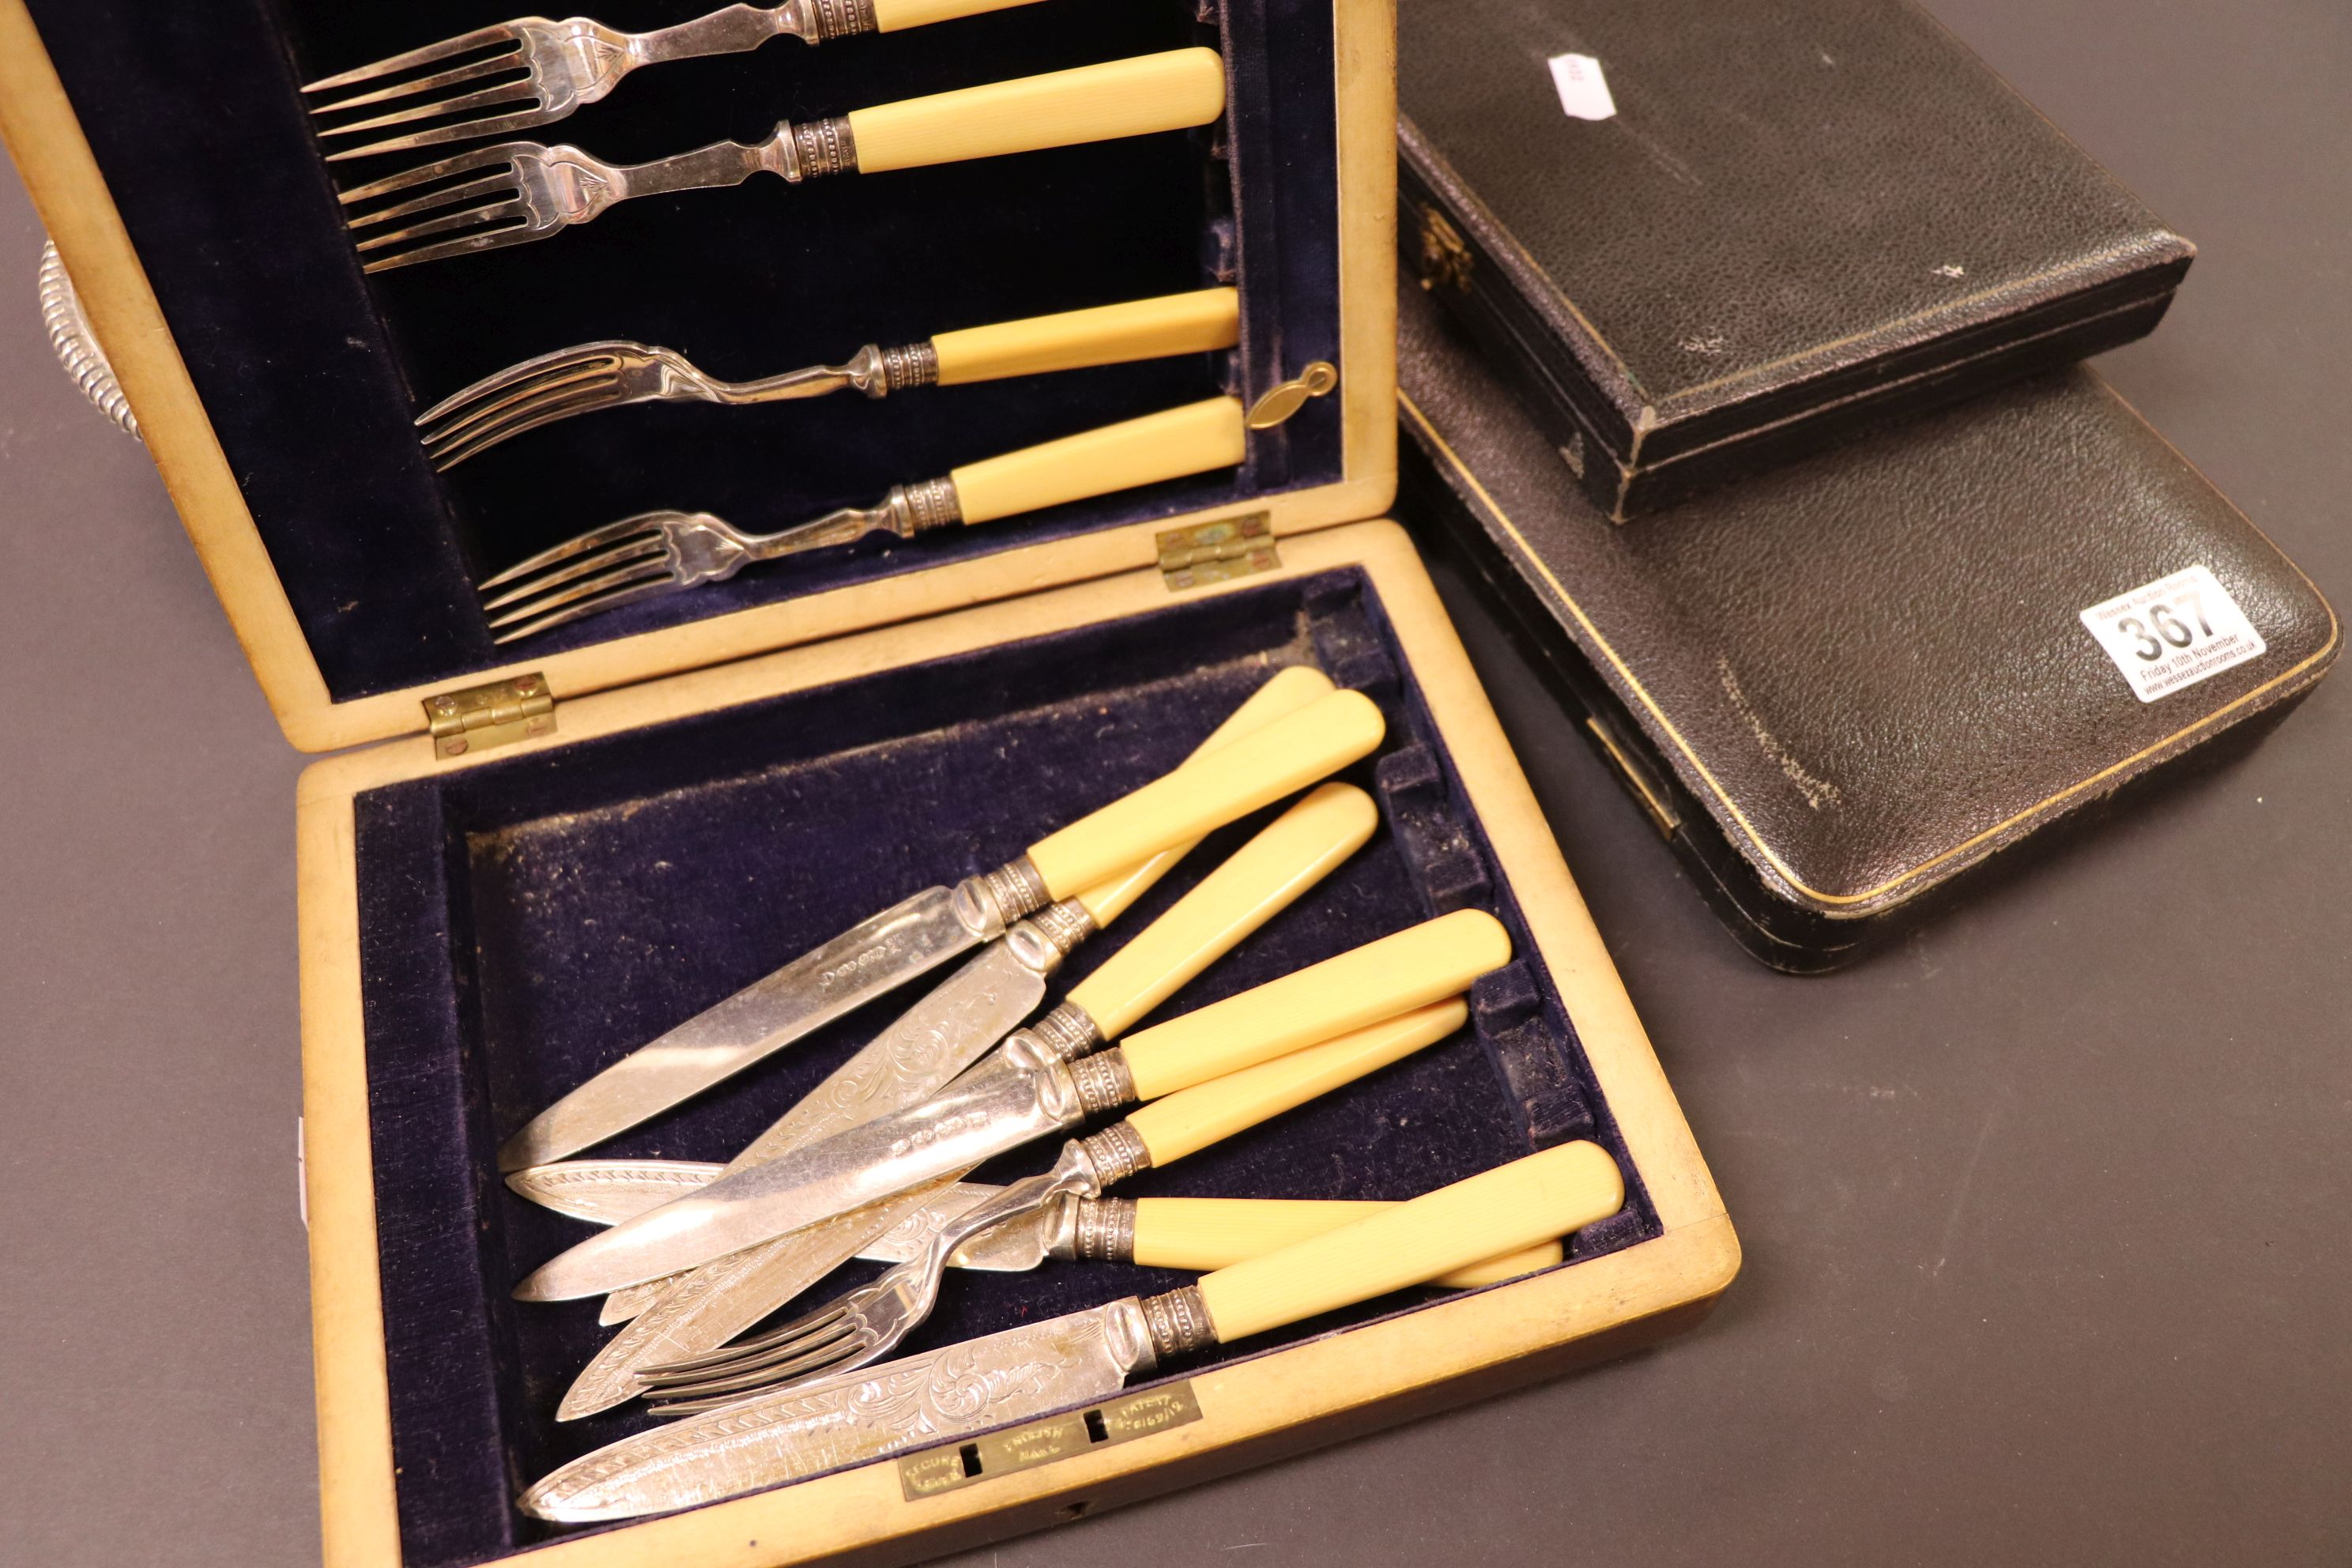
(998,1105)
(856,1416)
(869,958)
(925,1048)
(607,1191)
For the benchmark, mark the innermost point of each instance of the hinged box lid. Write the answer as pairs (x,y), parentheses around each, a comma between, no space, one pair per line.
(171,156)
(1702,239)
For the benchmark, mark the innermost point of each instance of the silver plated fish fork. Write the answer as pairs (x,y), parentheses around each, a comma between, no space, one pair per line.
(531,72)
(665,552)
(615,373)
(867,1323)
(517,192)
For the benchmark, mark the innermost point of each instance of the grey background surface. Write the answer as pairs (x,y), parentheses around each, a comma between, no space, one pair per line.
(2044,1212)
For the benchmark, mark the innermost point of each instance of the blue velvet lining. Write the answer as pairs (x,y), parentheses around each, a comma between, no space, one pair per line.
(310,371)
(526,922)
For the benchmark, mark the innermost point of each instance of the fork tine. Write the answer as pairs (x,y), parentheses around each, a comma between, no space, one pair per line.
(472,219)
(425,173)
(594,539)
(840,1356)
(612,601)
(484,98)
(784,1361)
(448,453)
(431,53)
(501,183)
(496,239)
(440,136)
(693,1401)
(510,60)
(514,386)
(619,577)
(515,374)
(633,550)
(826,1316)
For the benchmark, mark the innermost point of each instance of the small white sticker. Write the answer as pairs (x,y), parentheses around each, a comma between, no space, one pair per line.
(2173,633)
(1583,91)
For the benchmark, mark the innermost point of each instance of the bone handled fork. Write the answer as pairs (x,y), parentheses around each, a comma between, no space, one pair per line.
(590,377)
(513,76)
(664,551)
(517,192)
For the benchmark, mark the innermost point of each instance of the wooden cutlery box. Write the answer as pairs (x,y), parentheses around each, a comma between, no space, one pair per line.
(523,867)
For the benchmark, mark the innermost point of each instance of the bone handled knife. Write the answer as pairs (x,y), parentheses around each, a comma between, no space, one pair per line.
(1155,1136)
(699,1313)
(1194,1234)
(1024,1092)
(1069,1361)
(913,936)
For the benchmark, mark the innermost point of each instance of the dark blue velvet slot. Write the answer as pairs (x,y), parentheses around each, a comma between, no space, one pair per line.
(528,921)
(310,371)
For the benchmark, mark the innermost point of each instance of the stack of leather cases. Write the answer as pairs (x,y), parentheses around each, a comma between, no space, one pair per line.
(1920,595)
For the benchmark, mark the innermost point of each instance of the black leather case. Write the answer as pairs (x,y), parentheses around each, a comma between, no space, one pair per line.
(1840,686)
(1805,219)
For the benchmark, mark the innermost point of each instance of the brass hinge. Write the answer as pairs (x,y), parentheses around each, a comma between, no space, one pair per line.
(1217,552)
(1445,256)
(498,714)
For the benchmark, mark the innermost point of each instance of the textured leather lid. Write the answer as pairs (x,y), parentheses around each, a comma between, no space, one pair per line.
(1869,667)
(1786,191)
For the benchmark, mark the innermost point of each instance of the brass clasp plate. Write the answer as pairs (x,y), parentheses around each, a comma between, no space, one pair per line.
(497,714)
(1149,1410)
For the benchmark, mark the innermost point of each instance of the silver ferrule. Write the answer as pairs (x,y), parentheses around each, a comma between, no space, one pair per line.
(1116,1153)
(1045,938)
(821,147)
(911,365)
(879,372)
(1068,1031)
(988,904)
(1102,1230)
(1065,924)
(1178,1321)
(1104,1081)
(921,507)
(823,19)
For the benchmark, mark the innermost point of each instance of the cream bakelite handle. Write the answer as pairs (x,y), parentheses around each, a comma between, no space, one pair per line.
(1380,980)
(1093,103)
(1264,877)
(1198,322)
(1191,1119)
(1203,1233)
(891,16)
(1291,689)
(1520,1205)
(1164,445)
(1209,790)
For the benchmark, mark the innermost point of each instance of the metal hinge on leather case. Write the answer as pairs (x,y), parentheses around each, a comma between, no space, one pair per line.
(1648,793)
(500,713)
(1217,552)
(1445,256)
